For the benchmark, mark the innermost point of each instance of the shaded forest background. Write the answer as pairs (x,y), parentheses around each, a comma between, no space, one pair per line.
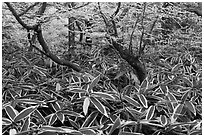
(101,68)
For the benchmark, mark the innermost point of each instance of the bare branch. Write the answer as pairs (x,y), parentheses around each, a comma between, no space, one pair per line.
(133,61)
(141,38)
(131,36)
(110,23)
(52,56)
(145,42)
(42,52)
(18,18)
(124,52)
(30,7)
(37,29)
(80,29)
(117,10)
(103,15)
(42,8)
(124,12)
(196,11)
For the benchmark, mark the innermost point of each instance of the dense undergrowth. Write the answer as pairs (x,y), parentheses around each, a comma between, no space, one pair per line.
(40,97)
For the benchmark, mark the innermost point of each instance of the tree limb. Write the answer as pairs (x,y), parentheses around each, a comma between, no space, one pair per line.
(42,8)
(132,60)
(196,11)
(192,8)
(141,38)
(30,7)
(131,36)
(18,18)
(117,10)
(109,22)
(52,56)
(105,19)
(146,41)
(80,29)
(38,30)
(40,13)
(124,12)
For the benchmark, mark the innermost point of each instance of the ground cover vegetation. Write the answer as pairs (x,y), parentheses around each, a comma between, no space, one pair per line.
(119,68)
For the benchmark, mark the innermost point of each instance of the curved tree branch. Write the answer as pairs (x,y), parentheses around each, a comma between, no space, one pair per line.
(105,19)
(196,10)
(52,56)
(18,18)
(30,7)
(109,22)
(188,6)
(132,60)
(38,30)
(117,10)
(32,40)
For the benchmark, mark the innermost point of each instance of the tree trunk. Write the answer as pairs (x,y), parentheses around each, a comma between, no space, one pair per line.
(132,60)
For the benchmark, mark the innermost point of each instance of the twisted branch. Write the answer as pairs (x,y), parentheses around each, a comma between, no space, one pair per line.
(37,28)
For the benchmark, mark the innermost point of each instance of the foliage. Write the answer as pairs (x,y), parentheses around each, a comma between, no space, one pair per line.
(40,97)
